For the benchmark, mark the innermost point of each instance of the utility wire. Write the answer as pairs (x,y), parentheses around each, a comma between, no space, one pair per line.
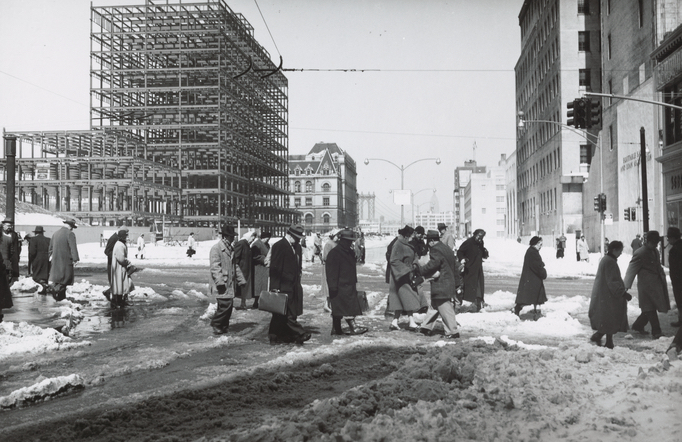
(267,27)
(402,133)
(47,90)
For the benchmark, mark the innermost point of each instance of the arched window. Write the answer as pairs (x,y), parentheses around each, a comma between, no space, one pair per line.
(308,186)
(297,186)
(326,187)
(309,219)
(325,218)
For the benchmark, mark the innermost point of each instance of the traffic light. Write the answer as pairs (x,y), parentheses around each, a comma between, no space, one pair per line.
(580,113)
(626,214)
(597,203)
(602,202)
(570,113)
(633,213)
(592,114)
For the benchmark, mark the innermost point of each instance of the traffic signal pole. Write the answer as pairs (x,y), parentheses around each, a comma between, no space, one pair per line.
(645,194)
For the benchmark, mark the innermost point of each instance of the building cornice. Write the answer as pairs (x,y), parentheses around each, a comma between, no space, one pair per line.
(669,45)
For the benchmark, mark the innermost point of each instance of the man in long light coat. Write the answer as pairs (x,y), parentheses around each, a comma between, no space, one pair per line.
(120,283)
(652,286)
(140,247)
(64,254)
(221,284)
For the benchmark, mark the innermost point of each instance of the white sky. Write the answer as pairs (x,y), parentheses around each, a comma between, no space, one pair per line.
(468,50)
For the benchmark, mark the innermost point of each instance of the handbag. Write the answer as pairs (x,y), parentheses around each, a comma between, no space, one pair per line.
(362,299)
(273,302)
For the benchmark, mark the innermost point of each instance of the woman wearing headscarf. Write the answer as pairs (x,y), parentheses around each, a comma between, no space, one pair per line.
(403,295)
(471,253)
(608,304)
(531,286)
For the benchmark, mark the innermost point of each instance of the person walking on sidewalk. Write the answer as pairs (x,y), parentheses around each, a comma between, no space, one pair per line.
(472,252)
(442,267)
(675,266)
(342,279)
(404,296)
(531,286)
(652,286)
(64,253)
(243,262)
(10,246)
(222,279)
(39,255)
(259,270)
(120,282)
(140,247)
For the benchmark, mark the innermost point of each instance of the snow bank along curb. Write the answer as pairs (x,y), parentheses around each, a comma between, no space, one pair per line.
(42,391)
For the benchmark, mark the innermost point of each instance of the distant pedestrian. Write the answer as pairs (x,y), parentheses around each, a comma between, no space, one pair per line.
(446,236)
(221,282)
(101,240)
(606,244)
(582,249)
(286,265)
(64,253)
(39,255)
(11,250)
(652,287)
(608,303)
(5,292)
(472,252)
(531,285)
(560,246)
(109,251)
(191,245)
(317,243)
(342,278)
(27,238)
(242,261)
(140,247)
(443,267)
(675,267)
(404,296)
(259,251)
(636,243)
(120,281)
(360,248)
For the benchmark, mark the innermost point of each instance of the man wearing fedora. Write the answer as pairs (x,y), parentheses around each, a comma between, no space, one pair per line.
(11,250)
(39,256)
(342,277)
(446,237)
(64,254)
(221,283)
(442,267)
(285,276)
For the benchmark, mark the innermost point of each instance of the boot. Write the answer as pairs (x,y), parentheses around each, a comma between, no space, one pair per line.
(517,309)
(596,338)
(609,341)
(354,329)
(336,326)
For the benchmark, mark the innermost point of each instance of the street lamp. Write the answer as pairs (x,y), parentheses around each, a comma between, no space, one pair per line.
(415,194)
(402,177)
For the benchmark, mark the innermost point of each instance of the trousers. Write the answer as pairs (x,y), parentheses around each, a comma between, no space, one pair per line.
(444,308)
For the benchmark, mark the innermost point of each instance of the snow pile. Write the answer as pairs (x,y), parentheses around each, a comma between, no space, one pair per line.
(26,285)
(21,338)
(44,390)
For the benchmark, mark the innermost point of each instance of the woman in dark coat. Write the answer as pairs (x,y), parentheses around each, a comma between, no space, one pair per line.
(341,271)
(403,297)
(472,252)
(5,293)
(259,279)
(531,286)
(608,304)
(242,261)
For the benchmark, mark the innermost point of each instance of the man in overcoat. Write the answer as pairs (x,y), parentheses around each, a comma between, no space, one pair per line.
(404,297)
(442,266)
(11,250)
(286,261)
(222,280)
(242,261)
(652,286)
(446,236)
(531,285)
(675,267)
(472,252)
(39,255)
(64,253)
(342,278)
(5,293)
(259,271)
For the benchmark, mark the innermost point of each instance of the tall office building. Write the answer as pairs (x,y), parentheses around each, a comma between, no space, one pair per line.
(462,177)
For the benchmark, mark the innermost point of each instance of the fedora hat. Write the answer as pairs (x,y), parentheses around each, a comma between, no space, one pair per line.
(7,221)
(432,235)
(442,226)
(296,230)
(347,234)
(71,222)
(228,231)
(39,229)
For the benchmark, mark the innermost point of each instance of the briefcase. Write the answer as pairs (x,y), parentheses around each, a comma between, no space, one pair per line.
(362,299)
(273,302)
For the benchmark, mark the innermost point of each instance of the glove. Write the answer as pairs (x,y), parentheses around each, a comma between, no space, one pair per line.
(628,297)
(221,289)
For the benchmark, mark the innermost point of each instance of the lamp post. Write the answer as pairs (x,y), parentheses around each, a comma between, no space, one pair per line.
(402,177)
(415,194)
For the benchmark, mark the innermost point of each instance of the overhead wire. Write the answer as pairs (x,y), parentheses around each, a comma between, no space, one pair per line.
(267,27)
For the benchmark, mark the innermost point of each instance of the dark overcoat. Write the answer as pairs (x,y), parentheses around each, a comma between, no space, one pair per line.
(342,278)
(608,306)
(474,283)
(39,255)
(5,292)
(259,279)
(442,260)
(675,266)
(388,259)
(285,273)
(242,259)
(401,295)
(531,286)
(10,248)
(652,287)
(64,254)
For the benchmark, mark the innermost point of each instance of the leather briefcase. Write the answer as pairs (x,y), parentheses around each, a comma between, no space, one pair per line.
(273,302)
(362,299)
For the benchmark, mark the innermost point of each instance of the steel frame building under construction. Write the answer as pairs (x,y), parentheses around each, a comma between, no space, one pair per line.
(198,116)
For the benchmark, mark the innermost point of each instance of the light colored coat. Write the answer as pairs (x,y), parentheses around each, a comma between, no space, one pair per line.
(448,240)
(140,244)
(401,295)
(222,270)
(64,253)
(652,287)
(121,284)
(582,249)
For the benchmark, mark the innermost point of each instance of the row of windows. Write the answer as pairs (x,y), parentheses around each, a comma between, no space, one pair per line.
(326,187)
(539,170)
(309,219)
(309,171)
(539,138)
(548,201)
(309,201)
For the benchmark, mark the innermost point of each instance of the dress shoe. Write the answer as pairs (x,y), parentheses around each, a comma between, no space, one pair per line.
(425,331)
(658,335)
(641,331)
(452,336)
(393,327)
(218,330)
(596,338)
(338,333)
(354,329)
(302,338)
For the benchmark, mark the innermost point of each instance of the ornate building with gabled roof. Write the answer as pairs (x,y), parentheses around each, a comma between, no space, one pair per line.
(324,188)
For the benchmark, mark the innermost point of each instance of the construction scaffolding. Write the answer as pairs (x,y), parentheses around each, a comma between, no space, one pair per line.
(97,176)
(190,80)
